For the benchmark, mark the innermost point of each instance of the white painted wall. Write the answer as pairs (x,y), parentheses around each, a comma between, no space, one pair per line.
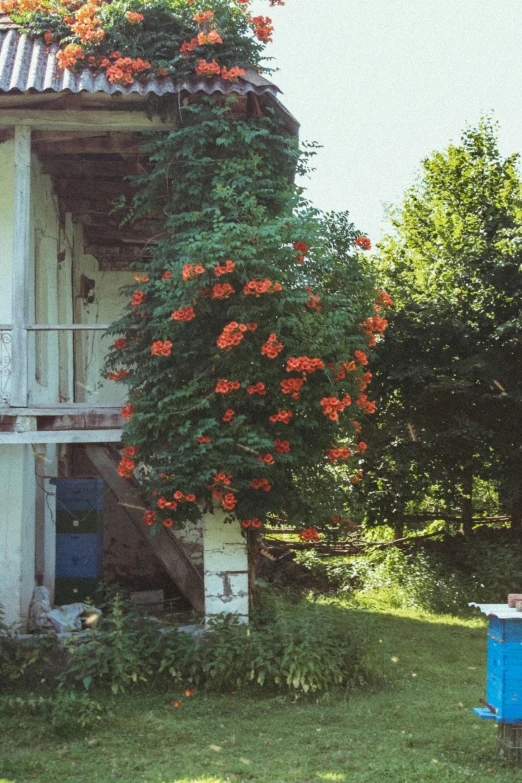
(225,567)
(17,531)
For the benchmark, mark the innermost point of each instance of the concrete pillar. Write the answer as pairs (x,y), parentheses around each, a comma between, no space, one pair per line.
(225,567)
(17,531)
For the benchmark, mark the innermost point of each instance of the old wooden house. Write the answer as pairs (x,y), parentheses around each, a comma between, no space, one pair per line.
(67,142)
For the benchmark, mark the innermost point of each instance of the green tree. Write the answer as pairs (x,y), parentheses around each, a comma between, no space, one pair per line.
(450,373)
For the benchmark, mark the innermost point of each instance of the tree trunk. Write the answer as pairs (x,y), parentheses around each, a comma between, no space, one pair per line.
(467,503)
(398,532)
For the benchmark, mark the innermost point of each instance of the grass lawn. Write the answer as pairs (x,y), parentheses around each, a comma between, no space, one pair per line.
(418,727)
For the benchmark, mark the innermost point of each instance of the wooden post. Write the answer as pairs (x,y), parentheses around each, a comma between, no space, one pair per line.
(21,263)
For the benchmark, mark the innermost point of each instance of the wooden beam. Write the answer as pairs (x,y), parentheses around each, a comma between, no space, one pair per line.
(63,436)
(167,548)
(81,120)
(21,261)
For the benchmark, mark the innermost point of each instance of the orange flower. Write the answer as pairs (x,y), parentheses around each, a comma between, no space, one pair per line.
(149,517)
(224,387)
(133,17)
(310,534)
(176,703)
(127,411)
(220,291)
(189,692)
(120,343)
(228,267)
(261,484)
(184,314)
(119,375)
(203,16)
(259,388)
(188,46)
(229,415)
(250,523)
(232,335)
(282,446)
(332,407)
(292,386)
(203,439)
(160,348)
(208,70)
(267,459)
(360,357)
(168,522)
(233,74)
(189,271)
(138,298)
(166,275)
(263,28)
(282,416)
(272,347)
(229,501)
(69,55)
(258,287)
(126,467)
(361,447)
(336,454)
(190,498)
(364,243)
(304,364)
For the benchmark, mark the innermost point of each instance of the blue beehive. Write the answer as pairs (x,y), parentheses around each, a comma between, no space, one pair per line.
(79,538)
(503,702)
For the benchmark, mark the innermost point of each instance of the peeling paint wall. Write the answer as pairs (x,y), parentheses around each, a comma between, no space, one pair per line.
(225,567)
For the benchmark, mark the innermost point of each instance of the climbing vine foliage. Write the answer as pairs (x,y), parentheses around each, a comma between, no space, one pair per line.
(244,343)
(246,334)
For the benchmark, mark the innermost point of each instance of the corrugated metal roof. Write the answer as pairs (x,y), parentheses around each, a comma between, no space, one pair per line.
(502,611)
(28,64)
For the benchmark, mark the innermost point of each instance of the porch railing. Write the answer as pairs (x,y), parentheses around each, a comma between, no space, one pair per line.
(15,373)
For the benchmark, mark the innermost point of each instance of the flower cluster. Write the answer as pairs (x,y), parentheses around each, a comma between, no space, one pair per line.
(263,28)
(258,388)
(183,314)
(119,375)
(233,333)
(224,387)
(224,269)
(138,298)
(292,386)
(364,243)
(127,464)
(302,249)
(189,271)
(282,416)
(310,534)
(258,287)
(229,415)
(361,358)
(222,291)
(272,348)
(161,348)
(261,484)
(374,327)
(256,523)
(304,364)
(203,439)
(366,405)
(340,453)
(332,406)
(282,446)
(266,458)
(127,411)
(314,301)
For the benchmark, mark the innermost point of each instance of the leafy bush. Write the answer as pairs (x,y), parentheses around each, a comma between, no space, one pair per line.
(69,712)
(301,649)
(443,576)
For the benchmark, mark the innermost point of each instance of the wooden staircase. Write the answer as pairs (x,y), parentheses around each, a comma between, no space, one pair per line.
(163,542)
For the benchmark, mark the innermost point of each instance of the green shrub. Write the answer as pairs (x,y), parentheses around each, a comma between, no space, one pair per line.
(441,576)
(303,648)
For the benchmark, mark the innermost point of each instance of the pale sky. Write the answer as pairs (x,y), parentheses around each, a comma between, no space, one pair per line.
(382,83)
